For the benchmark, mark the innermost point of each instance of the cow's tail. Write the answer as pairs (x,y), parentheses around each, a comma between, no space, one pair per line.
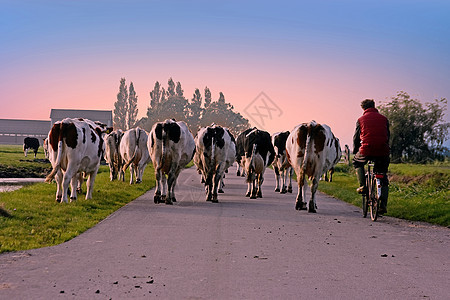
(307,158)
(57,166)
(252,164)
(138,135)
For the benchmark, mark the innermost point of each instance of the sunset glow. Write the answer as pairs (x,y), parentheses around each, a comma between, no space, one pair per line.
(313,59)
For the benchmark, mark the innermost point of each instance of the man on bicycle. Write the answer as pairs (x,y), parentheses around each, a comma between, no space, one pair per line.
(371,142)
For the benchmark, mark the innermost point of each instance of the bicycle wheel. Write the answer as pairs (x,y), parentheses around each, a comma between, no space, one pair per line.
(374,203)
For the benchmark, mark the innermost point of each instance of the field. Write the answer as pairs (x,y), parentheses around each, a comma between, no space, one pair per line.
(30,217)
(416,192)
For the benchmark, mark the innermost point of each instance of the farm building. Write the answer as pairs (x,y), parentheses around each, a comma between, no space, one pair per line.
(13,131)
(104,116)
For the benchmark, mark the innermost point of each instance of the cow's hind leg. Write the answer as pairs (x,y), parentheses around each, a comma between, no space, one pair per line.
(157,196)
(277,178)
(59,187)
(284,175)
(299,204)
(90,184)
(259,180)
(73,188)
(312,203)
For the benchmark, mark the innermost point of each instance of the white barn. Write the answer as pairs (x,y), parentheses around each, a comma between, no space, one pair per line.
(13,131)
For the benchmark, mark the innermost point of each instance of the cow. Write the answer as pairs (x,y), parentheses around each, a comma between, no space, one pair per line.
(312,149)
(214,153)
(112,154)
(134,152)
(230,160)
(240,152)
(171,146)
(258,154)
(280,165)
(30,143)
(75,146)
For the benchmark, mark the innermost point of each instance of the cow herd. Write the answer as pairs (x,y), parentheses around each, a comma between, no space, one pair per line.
(75,148)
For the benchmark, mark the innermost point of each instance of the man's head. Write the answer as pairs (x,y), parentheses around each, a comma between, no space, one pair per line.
(367,103)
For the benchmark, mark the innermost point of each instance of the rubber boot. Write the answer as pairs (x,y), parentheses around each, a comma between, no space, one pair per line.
(384,199)
(361,174)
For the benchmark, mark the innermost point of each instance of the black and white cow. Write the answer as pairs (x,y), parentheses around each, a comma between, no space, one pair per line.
(75,146)
(112,154)
(240,152)
(312,150)
(30,143)
(259,154)
(280,164)
(171,146)
(214,153)
(134,153)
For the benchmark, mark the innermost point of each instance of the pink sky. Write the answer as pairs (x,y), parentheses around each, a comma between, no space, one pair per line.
(312,64)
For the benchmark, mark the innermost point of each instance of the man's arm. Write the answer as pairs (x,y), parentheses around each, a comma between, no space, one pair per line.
(356,138)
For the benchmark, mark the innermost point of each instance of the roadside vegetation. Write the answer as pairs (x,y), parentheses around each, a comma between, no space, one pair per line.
(31,218)
(13,163)
(416,192)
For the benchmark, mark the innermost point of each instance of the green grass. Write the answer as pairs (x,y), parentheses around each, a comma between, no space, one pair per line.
(416,192)
(35,219)
(13,163)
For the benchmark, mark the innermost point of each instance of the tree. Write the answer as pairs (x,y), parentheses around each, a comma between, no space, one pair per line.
(132,107)
(417,131)
(172,104)
(171,87)
(221,113)
(208,97)
(195,110)
(120,107)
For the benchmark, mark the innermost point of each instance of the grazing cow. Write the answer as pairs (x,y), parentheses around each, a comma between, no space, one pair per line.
(134,152)
(258,154)
(214,153)
(75,146)
(112,154)
(312,150)
(30,143)
(280,164)
(240,152)
(171,147)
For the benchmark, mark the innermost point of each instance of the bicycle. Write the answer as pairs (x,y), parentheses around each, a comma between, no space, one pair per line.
(371,197)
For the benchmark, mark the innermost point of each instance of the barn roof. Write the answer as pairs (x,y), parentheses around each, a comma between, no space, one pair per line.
(93,115)
(24,127)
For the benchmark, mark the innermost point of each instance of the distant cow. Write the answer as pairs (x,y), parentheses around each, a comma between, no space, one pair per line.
(280,164)
(134,152)
(240,152)
(214,153)
(75,146)
(312,150)
(171,147)
(30,143)
(112,154)
(259,153)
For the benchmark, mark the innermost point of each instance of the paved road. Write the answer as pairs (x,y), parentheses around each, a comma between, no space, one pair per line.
(236,249)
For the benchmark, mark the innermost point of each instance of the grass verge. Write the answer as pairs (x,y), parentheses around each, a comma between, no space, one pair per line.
(416,192)
(30,217)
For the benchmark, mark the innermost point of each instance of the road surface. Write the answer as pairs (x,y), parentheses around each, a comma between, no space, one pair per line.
(236,249)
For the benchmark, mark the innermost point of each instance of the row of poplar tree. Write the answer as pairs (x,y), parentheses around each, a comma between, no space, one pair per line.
(199,111)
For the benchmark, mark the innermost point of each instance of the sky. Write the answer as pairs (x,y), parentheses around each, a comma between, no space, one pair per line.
(279,63)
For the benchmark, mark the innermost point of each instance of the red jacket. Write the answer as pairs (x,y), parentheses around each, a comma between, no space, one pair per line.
(372,134)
